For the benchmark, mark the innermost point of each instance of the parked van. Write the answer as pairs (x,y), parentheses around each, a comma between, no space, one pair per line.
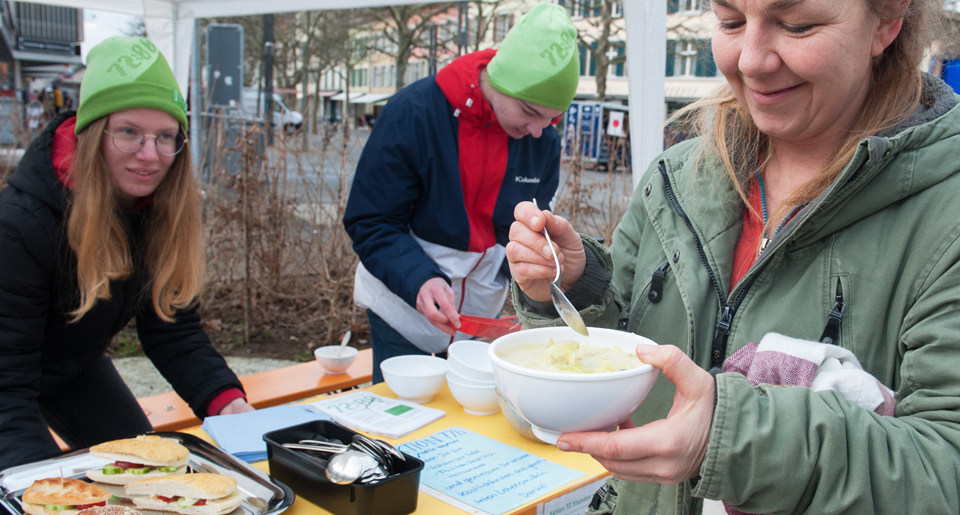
(283,116)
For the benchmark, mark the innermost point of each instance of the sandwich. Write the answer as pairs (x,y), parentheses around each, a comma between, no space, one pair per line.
(62,496)
(189,494)
(138,458)
(110,509)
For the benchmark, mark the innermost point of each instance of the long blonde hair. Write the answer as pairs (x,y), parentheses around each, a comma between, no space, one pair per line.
(730,135)
(172,254)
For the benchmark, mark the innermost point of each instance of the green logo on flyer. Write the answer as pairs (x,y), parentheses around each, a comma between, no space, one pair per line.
(398,410)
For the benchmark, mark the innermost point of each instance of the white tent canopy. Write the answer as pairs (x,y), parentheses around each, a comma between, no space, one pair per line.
(170,25)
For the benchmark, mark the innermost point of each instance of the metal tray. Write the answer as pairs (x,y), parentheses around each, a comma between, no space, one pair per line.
(263,495)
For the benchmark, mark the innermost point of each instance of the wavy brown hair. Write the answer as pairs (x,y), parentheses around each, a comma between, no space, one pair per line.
(172,253)
(730,135)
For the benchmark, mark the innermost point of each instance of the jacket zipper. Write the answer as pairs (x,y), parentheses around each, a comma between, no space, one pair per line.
(656,283)
(727,311)
(831,333)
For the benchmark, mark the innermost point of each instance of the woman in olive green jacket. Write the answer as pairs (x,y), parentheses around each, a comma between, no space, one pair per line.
(823,207)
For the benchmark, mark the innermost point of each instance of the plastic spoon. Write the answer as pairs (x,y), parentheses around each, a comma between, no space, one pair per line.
(568,313)
(343,342)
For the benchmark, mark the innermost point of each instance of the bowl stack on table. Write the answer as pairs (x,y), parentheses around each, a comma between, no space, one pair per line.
(470,379)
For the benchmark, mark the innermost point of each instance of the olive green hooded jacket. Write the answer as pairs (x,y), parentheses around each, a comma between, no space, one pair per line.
(882,246)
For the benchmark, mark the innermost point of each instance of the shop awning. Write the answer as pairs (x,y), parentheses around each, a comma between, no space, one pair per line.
(340,97)
(685,90)
(325,94)
(370,98)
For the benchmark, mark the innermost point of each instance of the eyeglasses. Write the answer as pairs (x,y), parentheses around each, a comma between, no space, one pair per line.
(129,141)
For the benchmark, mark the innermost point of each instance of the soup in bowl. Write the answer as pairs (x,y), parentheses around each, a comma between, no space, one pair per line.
(580,383)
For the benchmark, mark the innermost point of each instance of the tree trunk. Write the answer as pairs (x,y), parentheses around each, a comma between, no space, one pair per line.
(305,75)
(316,105)
(346,106)
(603,46)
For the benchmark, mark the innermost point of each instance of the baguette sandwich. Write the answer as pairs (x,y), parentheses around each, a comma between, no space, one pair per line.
(62,496)
(188,494)
(138,458)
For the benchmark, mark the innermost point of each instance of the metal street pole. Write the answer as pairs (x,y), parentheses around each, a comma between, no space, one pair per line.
(268,75)
(463,27)
(433,49)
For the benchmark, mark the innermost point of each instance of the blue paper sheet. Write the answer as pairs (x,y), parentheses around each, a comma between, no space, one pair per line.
(490,476)
(242,434)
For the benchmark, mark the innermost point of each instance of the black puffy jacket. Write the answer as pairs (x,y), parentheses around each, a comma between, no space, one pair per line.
(39,350)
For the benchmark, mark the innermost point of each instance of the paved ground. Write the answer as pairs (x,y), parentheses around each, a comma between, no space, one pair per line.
(144,380)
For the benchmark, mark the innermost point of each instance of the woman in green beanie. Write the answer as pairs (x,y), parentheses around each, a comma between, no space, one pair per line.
(100,223)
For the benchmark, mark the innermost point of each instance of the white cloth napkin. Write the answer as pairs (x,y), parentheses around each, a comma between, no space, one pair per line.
(782,360)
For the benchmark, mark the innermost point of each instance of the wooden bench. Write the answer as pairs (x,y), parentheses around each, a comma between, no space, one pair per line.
(168,412)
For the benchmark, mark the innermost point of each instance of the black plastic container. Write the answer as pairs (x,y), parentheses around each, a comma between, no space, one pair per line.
(396,495)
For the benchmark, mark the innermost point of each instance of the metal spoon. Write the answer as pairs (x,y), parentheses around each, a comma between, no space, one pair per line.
(343,342)
(567,312)
(348,466)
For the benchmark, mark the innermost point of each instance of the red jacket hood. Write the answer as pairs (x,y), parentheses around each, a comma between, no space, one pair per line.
(460,83)
(62,148)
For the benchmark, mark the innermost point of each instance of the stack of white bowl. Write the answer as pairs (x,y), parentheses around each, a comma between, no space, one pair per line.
(470,378)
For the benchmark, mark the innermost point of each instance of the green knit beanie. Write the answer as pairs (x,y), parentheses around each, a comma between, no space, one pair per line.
(124,73)
(538,61)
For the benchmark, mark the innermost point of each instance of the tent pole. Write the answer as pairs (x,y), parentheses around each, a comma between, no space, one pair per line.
(646,54)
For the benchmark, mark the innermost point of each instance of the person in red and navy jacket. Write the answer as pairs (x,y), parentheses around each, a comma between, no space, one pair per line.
(432,200)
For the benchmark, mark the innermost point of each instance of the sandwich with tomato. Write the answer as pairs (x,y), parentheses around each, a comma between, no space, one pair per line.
(132,459)
(62,496)
(189,494)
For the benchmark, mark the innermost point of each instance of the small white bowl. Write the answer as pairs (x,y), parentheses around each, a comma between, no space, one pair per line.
(415,377)
(335,359)
(471,358)
(468,380)
(557,402)
(480,400)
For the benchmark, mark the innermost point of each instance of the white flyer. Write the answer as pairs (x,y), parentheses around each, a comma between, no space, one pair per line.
(372,413)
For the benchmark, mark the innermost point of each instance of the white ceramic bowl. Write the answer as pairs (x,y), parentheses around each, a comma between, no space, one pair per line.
(471,358)
(335,359)
(467,380)
(556,402)
(476,399)
(518,423)
(415,377)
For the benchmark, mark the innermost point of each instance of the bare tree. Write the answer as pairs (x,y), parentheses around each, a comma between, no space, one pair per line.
(345,51)
(404,28)
(135,28)
(598,38)
(483,19)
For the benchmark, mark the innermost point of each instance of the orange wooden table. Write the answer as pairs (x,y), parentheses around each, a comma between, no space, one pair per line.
(495,426)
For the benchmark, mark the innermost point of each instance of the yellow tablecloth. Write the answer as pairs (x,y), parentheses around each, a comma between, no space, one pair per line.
(493,426)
